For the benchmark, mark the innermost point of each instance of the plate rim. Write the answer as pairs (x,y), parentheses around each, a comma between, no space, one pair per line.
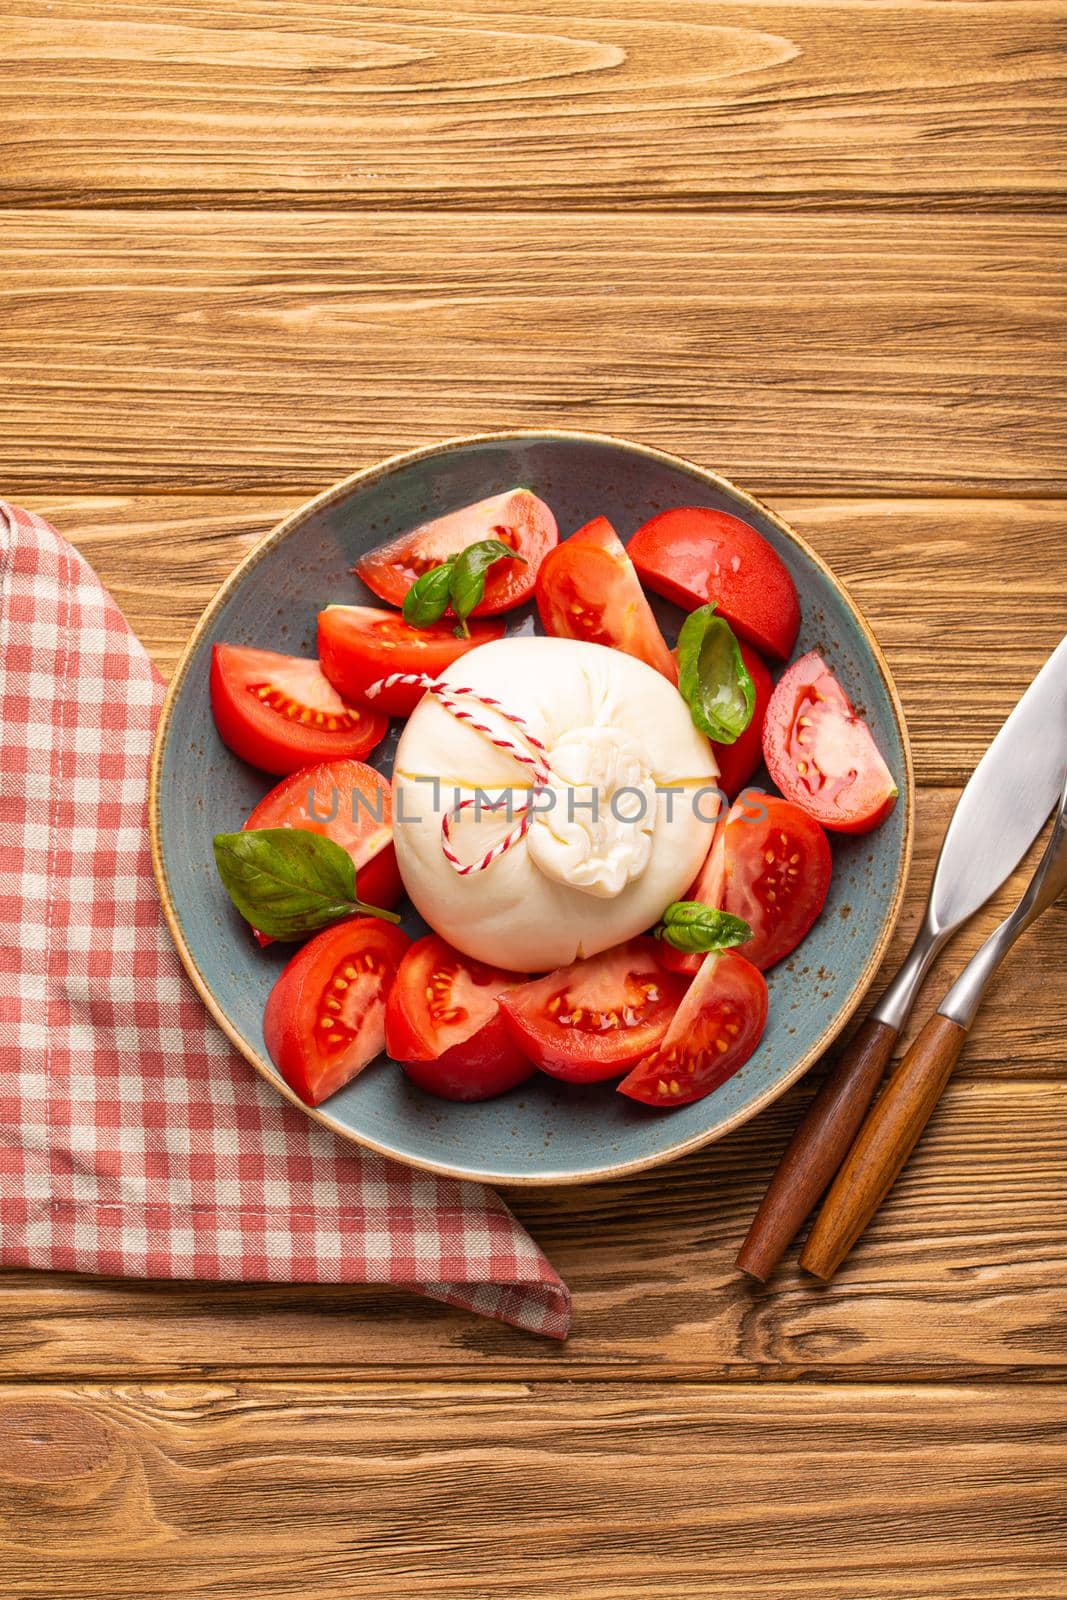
(337,491)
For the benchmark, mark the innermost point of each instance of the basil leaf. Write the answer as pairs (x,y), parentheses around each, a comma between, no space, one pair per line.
(428,598)
(713,678)
(289,883)
(693,927)
(467,585)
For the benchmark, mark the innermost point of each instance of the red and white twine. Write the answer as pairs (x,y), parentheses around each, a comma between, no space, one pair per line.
(451,696)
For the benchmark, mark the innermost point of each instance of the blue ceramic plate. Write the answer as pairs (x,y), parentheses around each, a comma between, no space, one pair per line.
(543,1132)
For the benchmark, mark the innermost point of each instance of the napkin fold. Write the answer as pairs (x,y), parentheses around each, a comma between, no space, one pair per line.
(134,1140)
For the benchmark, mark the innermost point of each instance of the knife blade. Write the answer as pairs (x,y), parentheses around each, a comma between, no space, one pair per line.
(1002,809)
(896,1121)
(1005,804)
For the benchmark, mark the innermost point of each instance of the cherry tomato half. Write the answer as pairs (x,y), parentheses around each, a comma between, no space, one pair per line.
(325,1016)
(351,804)
(587,589)
(517,518)
(694,555)
(595,1018)
(443,1024)
(280,714)
(821,754)
(740,760)
(715,1029)
(360,645)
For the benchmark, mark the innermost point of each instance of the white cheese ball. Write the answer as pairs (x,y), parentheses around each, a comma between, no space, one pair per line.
(609,848)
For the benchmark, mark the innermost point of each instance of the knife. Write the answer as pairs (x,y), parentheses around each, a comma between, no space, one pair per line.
(901,1112)
(997,818)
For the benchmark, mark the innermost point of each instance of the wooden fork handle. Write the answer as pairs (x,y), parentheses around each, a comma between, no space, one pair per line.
(818,1147)
(885,1142)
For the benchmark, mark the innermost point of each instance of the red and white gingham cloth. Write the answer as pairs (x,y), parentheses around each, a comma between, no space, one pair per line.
(134,1140)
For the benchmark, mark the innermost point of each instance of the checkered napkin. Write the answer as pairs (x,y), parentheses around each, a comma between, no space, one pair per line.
(134,1141)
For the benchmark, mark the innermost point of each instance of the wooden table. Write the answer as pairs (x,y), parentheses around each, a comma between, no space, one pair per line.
(246,250)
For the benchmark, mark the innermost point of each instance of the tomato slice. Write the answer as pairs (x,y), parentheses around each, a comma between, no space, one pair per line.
(694,555)
(351,804)
(770,864)
(443,1024)
(359,645)
(587,589)
(714,1031)
(821,754)
(279,713)
(325,1016)
(740,760)
(518,518)
(777,871)
(595,1018)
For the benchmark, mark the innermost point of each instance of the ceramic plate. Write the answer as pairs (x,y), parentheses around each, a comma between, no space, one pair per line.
(545,1131)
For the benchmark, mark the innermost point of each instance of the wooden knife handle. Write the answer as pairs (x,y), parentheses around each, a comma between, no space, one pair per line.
(818,1147)
(885,1142)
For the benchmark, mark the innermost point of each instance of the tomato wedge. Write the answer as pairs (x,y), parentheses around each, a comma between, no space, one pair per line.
(325,1016)
(714,1031)
(694,555)
(778,868)
(587,589)
(484,1066)
(738,761)
(821,754)
(279,713)
(360,645)
(351,804)
(769,864)
(595,1018)
(518,518)
(444,1026)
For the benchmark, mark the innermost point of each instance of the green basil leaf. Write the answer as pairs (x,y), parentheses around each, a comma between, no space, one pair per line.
(289,883)
(468,576)
(693,927)
(428,598)
(712,676)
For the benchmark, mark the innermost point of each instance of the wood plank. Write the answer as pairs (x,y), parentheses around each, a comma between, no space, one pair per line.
(961,1275)
(929,574)
(645,103)
(224,350)
(313,1490)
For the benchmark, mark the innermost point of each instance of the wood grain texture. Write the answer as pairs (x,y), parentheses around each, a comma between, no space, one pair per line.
(962,1275)
(225,350)
(500,104)
(515,1492)
(814,245)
